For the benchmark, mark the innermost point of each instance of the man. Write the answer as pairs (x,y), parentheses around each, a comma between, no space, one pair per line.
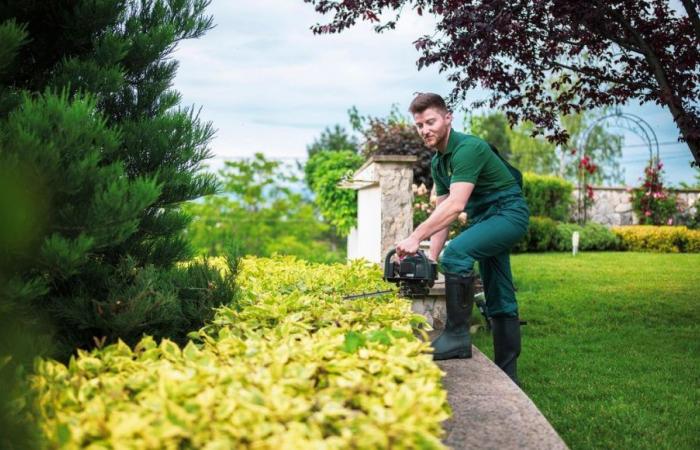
(469,176)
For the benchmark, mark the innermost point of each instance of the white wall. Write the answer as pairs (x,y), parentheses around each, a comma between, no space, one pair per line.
(369,220)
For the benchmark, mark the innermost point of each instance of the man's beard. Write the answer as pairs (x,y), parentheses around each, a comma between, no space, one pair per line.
(439,140)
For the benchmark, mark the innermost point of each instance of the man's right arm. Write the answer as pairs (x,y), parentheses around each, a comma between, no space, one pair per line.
(437,240)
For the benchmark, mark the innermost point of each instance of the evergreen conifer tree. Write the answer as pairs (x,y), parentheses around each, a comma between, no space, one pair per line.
(102,156)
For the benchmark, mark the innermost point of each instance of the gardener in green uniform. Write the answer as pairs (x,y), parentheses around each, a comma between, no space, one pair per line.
(469,176)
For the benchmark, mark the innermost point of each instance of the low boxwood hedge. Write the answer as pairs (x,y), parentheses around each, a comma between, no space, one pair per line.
(545,234)
(592,236)
(672,239)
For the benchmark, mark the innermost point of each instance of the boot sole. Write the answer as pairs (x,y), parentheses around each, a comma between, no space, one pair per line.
(461,353)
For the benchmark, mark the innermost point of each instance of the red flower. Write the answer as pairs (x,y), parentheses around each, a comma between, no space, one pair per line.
(589,191)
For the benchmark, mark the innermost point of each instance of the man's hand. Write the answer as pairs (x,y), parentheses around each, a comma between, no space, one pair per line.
(408,246)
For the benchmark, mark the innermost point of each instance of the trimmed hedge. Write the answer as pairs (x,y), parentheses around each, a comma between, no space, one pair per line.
(592,236)
(545,234)
(540,236)
(291,366)
(672,239)
(548,196)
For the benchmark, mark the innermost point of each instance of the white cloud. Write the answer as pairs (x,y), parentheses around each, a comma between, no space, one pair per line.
(270,85)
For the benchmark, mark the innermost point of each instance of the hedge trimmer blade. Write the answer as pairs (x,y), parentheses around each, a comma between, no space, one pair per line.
(367,294)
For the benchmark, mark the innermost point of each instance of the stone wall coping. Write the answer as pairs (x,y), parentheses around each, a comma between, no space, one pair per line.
(405,159)
(626,188)
(363,178)
(489,411)
(393,158)
(357,184)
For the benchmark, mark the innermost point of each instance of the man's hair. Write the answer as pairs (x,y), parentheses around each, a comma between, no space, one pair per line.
(425,100)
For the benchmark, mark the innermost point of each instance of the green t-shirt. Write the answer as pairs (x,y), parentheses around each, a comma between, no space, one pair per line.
(469,158)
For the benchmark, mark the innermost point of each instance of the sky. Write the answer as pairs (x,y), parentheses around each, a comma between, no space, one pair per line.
(270,85)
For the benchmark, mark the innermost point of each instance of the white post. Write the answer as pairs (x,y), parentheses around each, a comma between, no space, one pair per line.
(574,243)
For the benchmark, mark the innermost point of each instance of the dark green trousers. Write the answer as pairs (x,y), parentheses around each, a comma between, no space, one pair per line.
(497,221)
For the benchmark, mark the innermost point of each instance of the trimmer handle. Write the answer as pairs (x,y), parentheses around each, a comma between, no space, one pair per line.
(388,267)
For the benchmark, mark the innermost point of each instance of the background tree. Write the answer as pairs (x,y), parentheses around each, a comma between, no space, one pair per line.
(693,185)
(103,158)
(323,172)
(260,212)
(534,154)
(335,139)
(493,128)
(540,59)
(394,135)
(527,153)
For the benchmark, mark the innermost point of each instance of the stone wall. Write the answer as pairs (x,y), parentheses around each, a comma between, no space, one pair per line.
(612,205)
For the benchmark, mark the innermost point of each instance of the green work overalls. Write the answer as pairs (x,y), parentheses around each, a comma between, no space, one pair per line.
(497,221)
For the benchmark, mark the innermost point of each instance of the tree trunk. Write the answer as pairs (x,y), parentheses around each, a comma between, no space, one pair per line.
(688,130)
(685,119)
(691,8)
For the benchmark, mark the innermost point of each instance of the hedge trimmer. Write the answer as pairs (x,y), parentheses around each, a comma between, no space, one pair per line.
(415,275)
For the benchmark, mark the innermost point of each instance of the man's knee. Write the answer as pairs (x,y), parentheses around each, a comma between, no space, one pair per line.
(455,261)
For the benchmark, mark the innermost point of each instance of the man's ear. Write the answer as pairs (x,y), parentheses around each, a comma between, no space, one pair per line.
(448,117)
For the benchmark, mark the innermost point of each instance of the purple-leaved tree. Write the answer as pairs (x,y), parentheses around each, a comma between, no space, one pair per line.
(542,58)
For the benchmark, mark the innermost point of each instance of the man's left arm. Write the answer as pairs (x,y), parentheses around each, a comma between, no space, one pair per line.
(445,213)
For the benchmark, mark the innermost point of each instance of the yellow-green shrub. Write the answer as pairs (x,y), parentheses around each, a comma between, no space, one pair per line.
(659,238)
(292,366)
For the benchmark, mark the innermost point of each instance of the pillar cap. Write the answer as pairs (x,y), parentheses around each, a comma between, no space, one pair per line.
(392,158)
(363,178)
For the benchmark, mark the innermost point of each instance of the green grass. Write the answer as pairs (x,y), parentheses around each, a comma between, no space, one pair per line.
(611,352)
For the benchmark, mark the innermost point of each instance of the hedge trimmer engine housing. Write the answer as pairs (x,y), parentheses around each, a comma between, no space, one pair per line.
(414,274)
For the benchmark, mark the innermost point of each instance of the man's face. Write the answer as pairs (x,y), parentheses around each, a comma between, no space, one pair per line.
(433,125)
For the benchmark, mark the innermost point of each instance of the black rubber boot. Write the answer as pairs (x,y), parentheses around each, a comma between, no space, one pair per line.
(455,341)
(506,344)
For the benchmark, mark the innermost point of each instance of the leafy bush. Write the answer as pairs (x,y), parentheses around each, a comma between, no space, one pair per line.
(102,157)
(394,135)
(592,236)
(659,238)
(17,406)
(539,237)
(545,234)
(652,203)
(293,366)
(161,303)
(323,172)
(398,137)
(548,196)
(423,207)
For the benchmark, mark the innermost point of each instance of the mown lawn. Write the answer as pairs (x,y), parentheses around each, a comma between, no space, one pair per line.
(611,352)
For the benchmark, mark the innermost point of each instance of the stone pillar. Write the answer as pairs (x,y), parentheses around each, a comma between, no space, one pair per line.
(384,205)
